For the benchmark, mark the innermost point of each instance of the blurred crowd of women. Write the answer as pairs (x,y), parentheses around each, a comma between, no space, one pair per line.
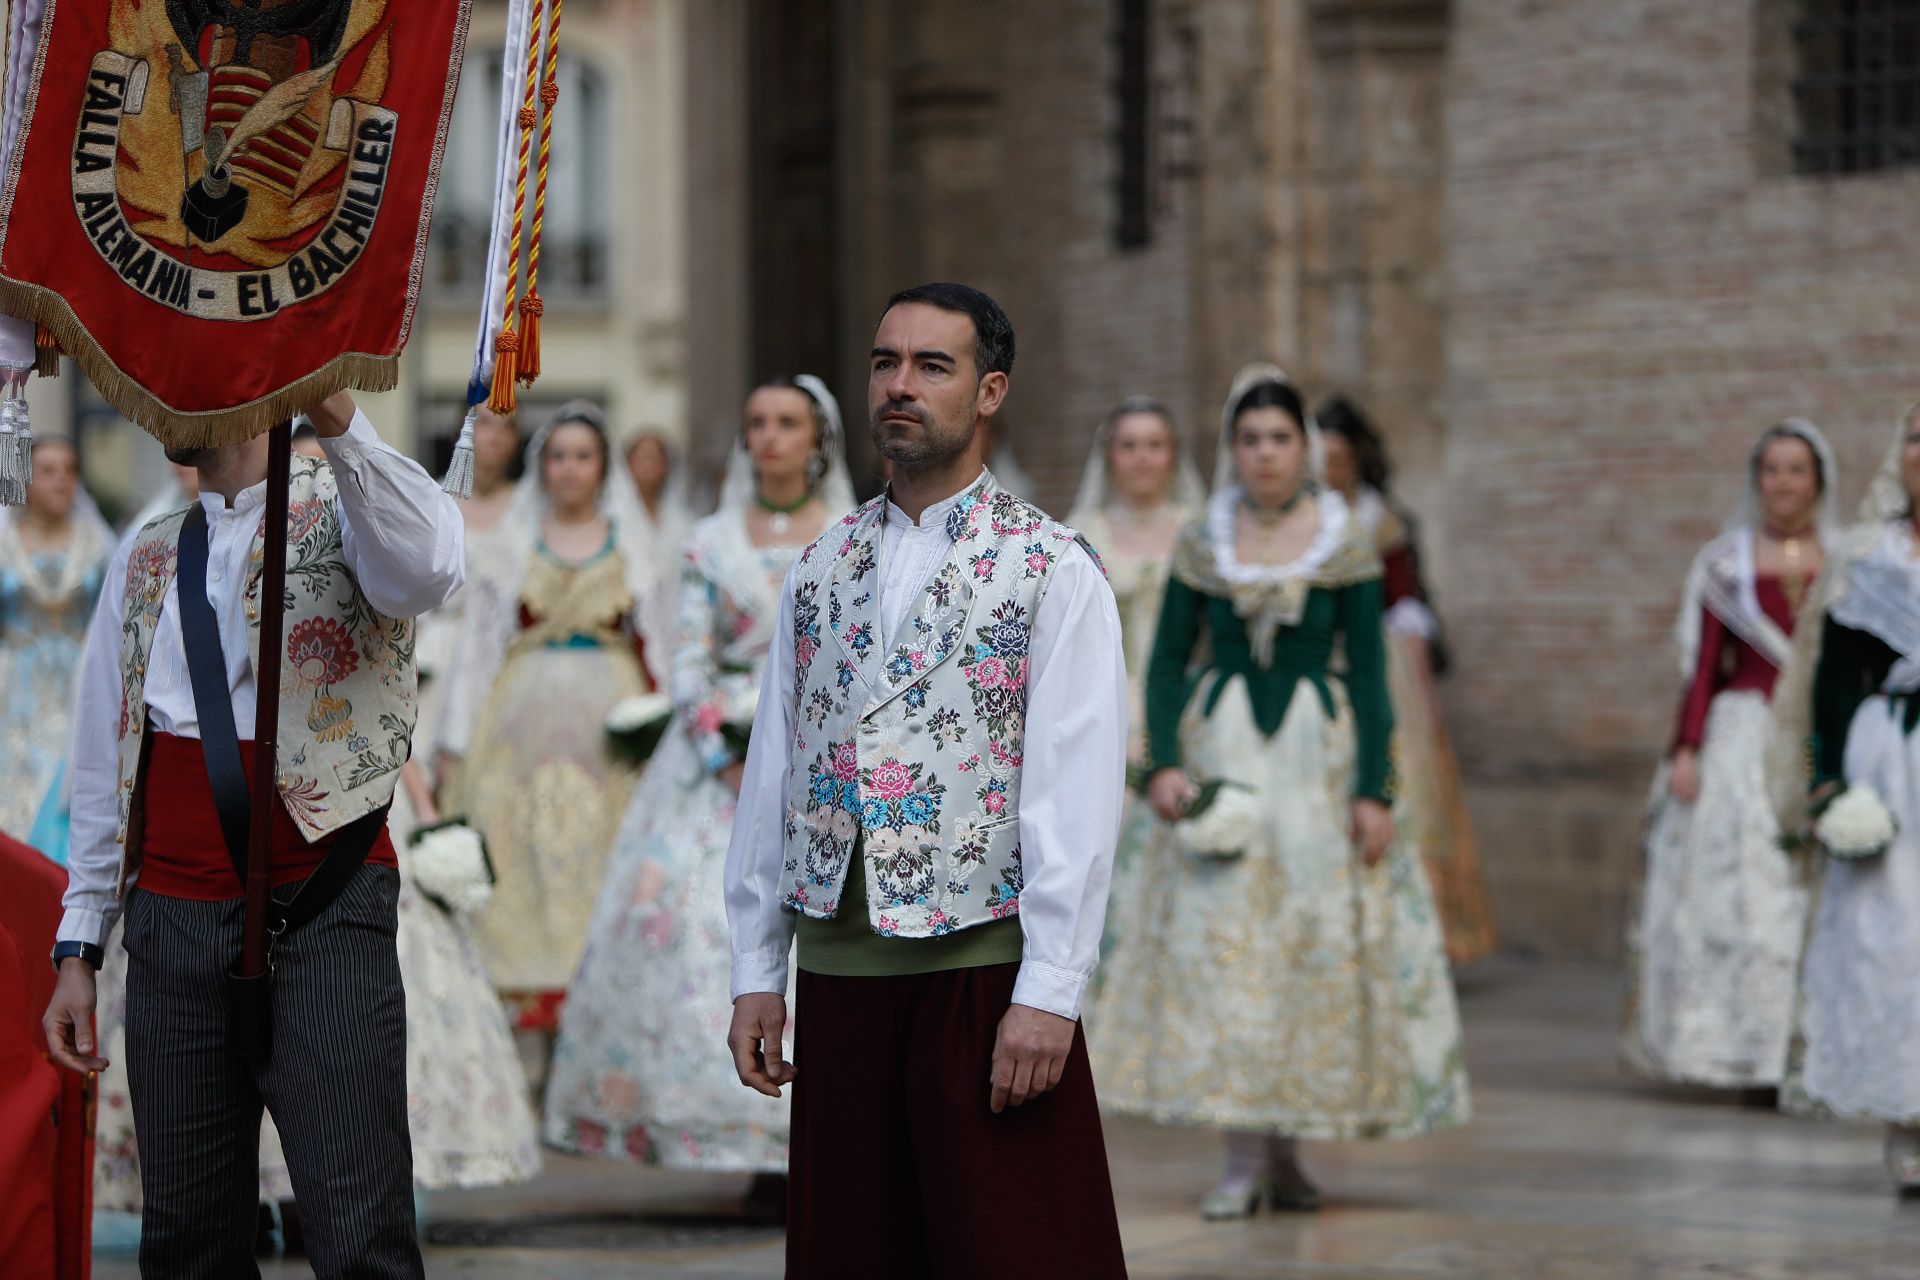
(1297,875)
(1774,947)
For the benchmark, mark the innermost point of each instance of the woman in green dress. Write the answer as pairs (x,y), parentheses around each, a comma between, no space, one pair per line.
(1282,974)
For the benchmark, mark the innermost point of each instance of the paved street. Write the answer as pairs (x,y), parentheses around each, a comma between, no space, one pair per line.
(1569,1172)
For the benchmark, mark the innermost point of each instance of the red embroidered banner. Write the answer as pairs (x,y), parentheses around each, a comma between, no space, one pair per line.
(220,207)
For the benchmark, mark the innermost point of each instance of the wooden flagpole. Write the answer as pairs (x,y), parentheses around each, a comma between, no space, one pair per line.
(266,714)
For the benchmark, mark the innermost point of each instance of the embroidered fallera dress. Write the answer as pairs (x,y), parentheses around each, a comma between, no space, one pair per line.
(1859,1011)
(467,1108)
(1139,585)
(1290,990)
(640,1070)
(1715,952)
(539,781)
(46,602)
(1430,802)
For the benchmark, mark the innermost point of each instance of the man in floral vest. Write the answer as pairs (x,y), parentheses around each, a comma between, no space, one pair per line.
(931,803)
(169,674)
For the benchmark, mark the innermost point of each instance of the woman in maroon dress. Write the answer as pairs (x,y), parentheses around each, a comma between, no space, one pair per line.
(1716,945)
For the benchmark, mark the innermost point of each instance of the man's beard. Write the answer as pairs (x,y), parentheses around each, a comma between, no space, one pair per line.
(195,458)
(938,442)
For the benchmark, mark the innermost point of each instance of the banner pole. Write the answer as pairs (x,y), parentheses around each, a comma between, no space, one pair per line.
(266,716)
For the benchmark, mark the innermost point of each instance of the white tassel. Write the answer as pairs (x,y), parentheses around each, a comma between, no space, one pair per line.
(13,490)
(459,477)
(23,441)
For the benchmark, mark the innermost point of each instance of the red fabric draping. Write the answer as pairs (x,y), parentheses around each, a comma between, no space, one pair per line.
(185,854)
(46,1134)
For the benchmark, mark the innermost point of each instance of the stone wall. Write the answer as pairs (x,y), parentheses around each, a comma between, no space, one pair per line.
(1637,285)
(985,152)
(1556,247)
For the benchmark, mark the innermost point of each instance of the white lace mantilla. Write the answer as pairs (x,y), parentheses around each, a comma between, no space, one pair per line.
(1882,597)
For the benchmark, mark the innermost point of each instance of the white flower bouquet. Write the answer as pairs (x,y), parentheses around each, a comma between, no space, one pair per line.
(636,725)
(1856,824)
(1222,823)
(450,866)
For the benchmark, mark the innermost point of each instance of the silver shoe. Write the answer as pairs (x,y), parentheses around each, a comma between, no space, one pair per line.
(1224,1206)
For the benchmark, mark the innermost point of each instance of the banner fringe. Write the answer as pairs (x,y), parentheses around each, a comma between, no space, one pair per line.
(46,352)
(183,429)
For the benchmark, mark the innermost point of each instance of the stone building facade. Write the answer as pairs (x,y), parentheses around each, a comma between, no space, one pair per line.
(1570,255)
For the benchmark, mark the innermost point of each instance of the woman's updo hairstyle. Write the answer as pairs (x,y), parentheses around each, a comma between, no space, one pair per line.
(1788,430)
(580,413)
(815,410)
(1342,417)
(1271,395)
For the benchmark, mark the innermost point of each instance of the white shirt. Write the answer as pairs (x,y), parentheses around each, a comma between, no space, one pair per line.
(403,539)
(1072,778)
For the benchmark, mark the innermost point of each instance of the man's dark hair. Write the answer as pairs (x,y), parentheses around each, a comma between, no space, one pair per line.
(992,331)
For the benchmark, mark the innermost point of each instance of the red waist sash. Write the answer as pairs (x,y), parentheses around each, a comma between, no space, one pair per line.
(184,854)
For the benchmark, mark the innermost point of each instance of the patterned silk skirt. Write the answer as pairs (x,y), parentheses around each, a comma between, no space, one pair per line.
(467,1107)
(1432,805)
(542,788)
(1715,954)
(1291,990)
(641,1070)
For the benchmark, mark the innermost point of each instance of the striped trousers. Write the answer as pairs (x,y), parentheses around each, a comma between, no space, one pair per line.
(335,1084)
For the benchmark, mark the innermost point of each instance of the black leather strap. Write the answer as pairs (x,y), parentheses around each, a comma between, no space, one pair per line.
(212,698)
(220,745)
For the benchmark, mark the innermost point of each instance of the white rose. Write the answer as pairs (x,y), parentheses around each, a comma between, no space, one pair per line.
(1856,825)
(637,712)
(1227,828)
(450,864)
(742,702)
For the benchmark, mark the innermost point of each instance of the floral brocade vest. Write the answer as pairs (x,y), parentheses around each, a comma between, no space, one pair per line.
(347,683)
(917,750)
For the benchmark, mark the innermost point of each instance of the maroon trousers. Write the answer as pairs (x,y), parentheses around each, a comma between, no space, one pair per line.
(899,1168)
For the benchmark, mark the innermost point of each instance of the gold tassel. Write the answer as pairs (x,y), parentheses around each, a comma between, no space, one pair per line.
(46,352)
(531,309)
(506,346)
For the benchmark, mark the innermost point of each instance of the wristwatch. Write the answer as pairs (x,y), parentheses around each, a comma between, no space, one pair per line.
(87,951)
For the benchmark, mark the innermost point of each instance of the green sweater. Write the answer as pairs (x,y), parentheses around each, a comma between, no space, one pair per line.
(847,947)
(1853,666)
(1301,652)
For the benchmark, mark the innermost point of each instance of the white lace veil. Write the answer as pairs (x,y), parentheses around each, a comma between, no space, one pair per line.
(1723,576)
(1747,512)
(1887,494)
(676,504)
(492,592)
(1880,592)
(93,537)
(1886,501)
(831,481)
(1096,479)
(1249,377)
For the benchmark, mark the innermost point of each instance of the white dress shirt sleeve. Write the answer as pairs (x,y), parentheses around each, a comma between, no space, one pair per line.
(401,534)
(93,862)
(761,926)
(1072,783)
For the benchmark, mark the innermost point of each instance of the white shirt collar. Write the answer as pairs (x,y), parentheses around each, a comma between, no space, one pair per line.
(248,499)
(935,516)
